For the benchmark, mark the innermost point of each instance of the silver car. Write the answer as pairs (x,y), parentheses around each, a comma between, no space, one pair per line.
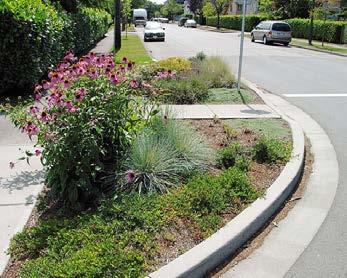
(190,23)
(154,32)
(272,31)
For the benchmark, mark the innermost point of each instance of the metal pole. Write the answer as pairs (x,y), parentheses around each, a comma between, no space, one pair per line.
(117,27)
(241,45)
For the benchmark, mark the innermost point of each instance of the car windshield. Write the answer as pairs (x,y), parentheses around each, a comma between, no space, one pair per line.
(152,25)
(280,27)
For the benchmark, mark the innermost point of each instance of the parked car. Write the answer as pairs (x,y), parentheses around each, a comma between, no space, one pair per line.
(190,23)
(272,31)
(181,21)
(154,32)
(163,20)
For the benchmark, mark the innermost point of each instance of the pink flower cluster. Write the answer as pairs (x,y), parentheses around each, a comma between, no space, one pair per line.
(165,74)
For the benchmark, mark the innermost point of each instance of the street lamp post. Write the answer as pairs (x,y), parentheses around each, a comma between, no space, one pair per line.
(117,29)
(241,45)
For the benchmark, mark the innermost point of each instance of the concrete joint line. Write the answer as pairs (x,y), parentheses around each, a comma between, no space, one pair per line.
(213,251)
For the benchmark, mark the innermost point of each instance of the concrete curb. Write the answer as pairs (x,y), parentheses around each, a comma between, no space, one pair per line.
(318,50)
(213,251)
(285,244)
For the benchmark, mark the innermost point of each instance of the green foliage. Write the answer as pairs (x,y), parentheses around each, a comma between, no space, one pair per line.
(331,31)
(122,237)
(270,150)
(165,152)
(235,21)
(177,64)
(183,91)
(171,8)
(35,37)
(208,9)
(90,141)
(214,72)
(229,155)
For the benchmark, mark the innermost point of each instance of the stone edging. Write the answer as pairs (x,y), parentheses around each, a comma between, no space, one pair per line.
(214,250)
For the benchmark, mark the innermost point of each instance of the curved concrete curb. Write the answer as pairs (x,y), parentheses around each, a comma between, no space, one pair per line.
(213,251)
(284,245)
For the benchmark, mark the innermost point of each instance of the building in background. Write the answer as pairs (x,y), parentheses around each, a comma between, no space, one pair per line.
(236,6)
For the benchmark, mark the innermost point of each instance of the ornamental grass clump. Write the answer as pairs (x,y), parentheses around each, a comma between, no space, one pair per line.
(84,118)
(166,152)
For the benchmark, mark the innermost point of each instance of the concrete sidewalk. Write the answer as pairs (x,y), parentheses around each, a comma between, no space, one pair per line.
(222,111)
(19,186)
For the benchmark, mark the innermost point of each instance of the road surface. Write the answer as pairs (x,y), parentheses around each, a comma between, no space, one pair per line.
(317,83)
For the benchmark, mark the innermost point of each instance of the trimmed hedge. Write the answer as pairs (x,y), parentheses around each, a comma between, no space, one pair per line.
(332,31)
(235,21)
(34,37)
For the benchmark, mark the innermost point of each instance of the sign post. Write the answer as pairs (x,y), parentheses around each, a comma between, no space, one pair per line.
(241,45)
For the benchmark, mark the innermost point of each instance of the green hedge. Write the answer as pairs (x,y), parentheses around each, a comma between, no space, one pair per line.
(332,31)
(235,21)
(34,37)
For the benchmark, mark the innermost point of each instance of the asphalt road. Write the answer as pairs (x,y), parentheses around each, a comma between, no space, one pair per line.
(284,71)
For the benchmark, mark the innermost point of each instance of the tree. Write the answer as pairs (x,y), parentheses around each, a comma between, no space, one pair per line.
(126,13)
(219,6)
(266,6)
(195,6)
(292,8)
(152,9)
(171,8)
(208,9)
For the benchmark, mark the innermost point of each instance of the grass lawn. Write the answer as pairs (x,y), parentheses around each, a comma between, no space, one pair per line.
(276,128)
(227,96)
(133,49)
(318,46)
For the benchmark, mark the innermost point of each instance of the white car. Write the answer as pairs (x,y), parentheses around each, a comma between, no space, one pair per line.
(154,32)
(190,23)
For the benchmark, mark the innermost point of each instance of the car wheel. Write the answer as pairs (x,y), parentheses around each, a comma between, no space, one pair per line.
(252,38)
(265,41)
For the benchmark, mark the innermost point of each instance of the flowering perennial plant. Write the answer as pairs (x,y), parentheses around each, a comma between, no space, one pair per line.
(83,117)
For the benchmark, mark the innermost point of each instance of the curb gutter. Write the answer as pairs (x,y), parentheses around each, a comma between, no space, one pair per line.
(214,250)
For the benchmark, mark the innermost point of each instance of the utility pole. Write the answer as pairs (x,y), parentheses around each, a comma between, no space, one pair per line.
(241,45)
(310,35)
(117,27)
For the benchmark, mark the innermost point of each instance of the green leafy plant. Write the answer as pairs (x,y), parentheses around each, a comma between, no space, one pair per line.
(182,91)
(270,150)
(229,155)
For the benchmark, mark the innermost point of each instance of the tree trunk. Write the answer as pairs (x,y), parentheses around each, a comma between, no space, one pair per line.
(117,27)
(218,21)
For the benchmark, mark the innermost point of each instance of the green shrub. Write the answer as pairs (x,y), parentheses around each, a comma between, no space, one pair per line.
(214,72)
(235,21)
(270,150)
(163,154)
(177,64)
(228,155)
(243,163)
(35,37)
(182,91)
(153,165)
(331,31)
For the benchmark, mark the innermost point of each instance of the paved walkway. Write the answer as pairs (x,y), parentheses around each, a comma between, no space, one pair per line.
(18,186)
(222,111)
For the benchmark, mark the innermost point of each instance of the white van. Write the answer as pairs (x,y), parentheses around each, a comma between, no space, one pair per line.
(139,17)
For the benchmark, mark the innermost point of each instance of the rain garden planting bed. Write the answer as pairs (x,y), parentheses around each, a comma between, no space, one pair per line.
(128,188)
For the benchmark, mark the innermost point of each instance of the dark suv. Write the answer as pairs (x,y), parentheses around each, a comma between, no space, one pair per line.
(272,31)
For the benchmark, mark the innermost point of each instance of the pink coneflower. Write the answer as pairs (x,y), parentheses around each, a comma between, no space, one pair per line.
(73,109)
(33,109)
(79,94)
(31,129)
(70,57)
(130,176)
(68,105)
(93,74)
(44,117)
(46,85)
(38,152)
(124,60)
(114,79)
(133,84)
(67,84)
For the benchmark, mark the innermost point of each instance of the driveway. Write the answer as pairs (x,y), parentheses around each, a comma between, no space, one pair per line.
(315,82)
